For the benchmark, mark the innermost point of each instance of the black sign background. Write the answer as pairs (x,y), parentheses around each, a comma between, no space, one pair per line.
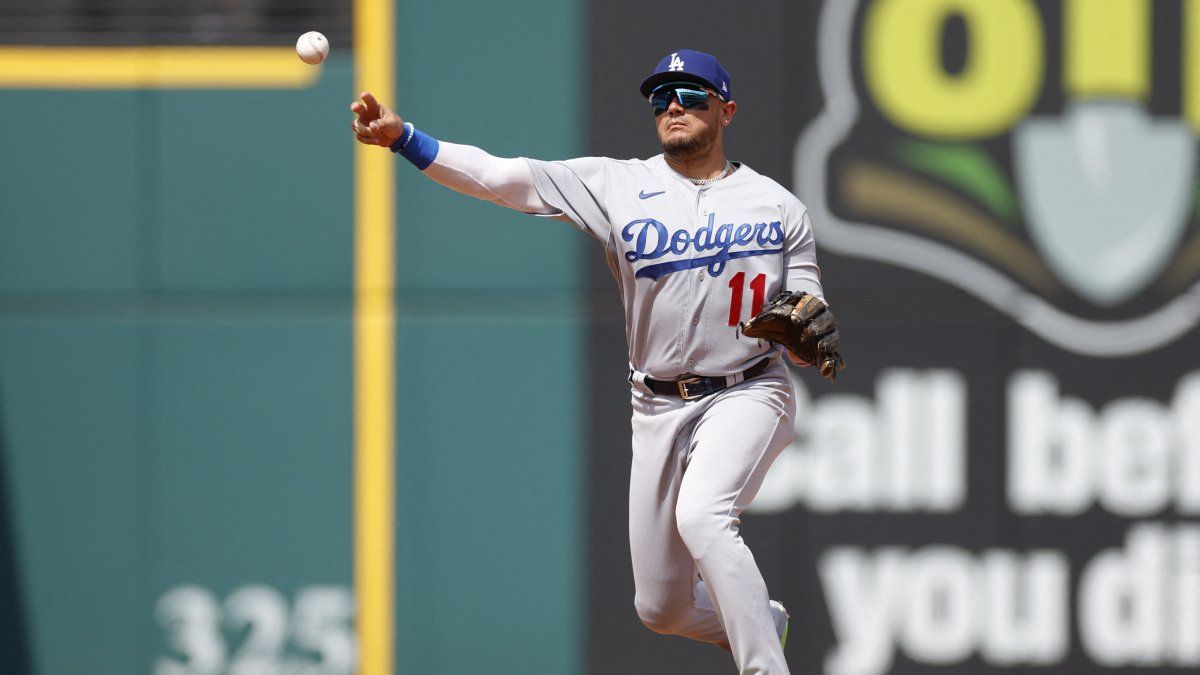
(889,317)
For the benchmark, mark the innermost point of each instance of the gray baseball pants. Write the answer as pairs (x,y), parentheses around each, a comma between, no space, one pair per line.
(696,466)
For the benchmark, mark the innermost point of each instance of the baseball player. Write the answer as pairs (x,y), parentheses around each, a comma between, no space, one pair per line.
(697,245)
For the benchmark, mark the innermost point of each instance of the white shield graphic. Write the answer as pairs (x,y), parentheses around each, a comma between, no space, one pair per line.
(1107,192)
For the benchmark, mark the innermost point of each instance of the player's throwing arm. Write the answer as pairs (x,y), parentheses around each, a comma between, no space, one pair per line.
(463,168)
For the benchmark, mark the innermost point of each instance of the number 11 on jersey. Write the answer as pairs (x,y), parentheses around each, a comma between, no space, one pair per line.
(758,285)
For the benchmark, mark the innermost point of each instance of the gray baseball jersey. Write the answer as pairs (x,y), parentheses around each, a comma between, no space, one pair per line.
(692,261)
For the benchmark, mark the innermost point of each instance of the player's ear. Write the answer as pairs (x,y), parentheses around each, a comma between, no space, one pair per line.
(727,112)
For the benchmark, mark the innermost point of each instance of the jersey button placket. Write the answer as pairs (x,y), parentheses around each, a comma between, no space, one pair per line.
(697,291)
(696,312)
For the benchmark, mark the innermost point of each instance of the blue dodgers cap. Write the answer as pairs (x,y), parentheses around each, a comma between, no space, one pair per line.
(686,65)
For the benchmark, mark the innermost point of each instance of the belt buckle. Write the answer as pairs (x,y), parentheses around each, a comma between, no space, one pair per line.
(683,388)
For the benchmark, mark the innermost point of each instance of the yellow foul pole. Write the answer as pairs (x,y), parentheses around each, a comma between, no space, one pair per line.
(374,351)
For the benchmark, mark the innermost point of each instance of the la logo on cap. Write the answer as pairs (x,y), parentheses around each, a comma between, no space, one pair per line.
(676,64)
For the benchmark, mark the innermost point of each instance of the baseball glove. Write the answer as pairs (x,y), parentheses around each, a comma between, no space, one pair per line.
(804,325)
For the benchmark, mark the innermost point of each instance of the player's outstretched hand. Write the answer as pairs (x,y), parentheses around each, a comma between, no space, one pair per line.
(373,123)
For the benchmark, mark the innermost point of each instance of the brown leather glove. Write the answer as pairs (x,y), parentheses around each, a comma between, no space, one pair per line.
(804,325)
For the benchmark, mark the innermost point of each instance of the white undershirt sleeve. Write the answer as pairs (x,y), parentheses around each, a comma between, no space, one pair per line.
(471,171)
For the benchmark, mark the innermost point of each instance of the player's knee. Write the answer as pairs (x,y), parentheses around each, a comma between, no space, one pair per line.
(656,616)
(699,527)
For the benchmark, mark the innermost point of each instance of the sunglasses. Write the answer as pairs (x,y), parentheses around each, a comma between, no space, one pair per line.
(690,99)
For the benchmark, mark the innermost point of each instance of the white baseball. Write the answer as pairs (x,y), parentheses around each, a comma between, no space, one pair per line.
(312,47)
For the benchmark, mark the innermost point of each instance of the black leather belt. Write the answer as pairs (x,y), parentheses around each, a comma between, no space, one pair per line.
(693,387)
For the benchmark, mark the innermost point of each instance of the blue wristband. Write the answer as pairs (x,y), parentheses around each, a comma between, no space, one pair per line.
(416,146)
(399,144)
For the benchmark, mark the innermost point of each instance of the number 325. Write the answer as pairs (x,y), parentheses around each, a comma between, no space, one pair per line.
(198,628)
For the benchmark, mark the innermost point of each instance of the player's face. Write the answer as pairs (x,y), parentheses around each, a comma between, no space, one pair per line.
(692,131)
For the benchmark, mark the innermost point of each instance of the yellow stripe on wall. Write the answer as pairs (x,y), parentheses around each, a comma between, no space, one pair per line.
(374,352)
(153,67)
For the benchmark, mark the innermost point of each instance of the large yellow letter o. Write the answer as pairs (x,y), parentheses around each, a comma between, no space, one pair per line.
(998,85)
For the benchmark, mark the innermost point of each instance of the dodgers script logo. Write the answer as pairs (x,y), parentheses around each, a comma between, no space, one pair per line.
(653,240)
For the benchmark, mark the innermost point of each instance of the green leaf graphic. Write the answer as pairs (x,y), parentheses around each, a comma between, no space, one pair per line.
(966,167)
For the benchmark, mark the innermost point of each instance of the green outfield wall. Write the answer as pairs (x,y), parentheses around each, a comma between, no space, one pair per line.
(176,370)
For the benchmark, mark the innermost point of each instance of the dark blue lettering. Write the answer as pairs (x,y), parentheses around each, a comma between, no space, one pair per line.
(640,252)
(679,241)
(725,236)
(651,239)
(776,237)
(703,236)
(760,233)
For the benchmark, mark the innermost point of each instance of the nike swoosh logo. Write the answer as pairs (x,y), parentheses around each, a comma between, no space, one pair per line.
(647,195)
